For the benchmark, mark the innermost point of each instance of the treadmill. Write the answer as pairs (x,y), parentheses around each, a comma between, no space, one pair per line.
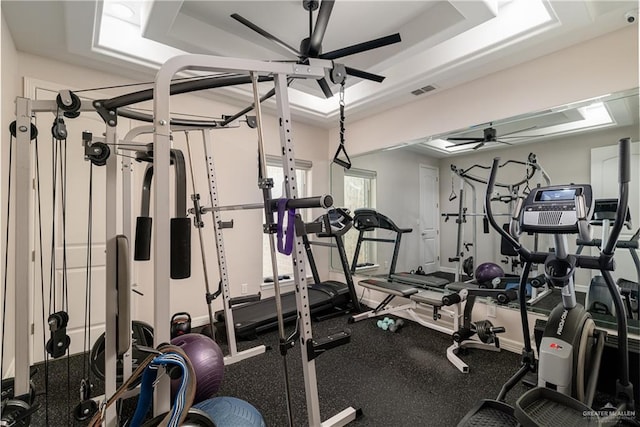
(368,220)
(326,299)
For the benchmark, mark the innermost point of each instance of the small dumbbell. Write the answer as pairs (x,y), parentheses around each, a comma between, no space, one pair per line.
(397,325)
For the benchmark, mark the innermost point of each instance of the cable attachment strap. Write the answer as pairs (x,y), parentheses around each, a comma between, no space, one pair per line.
(285,236)
(341,150)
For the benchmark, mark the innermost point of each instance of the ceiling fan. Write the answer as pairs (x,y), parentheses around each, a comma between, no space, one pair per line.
(311,47)
(488,135)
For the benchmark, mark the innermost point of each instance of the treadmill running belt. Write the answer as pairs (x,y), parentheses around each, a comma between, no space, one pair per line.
(253,318)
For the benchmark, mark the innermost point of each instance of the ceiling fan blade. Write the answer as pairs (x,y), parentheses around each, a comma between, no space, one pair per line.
(478,146)
(315,43)
(469,140)
(364,75)
(325,88)
(460,144)
(265,34)
(362,47)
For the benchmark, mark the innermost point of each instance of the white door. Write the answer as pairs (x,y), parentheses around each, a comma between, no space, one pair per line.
(429,219)
(76,236)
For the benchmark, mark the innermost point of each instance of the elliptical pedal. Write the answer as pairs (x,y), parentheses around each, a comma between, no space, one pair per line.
(546,407)
(490,413)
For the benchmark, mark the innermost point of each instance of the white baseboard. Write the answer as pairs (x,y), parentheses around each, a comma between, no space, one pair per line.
(425,313)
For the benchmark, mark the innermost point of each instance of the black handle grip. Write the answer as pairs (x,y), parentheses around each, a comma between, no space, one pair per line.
(180,248)
(451,299)
(346,165)
(624,172)
(624,157)
(497,330)
(142,250)
(325,201)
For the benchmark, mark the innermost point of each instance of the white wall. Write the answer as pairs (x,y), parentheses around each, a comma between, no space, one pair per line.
(235,153)
(596,67)
(9,91)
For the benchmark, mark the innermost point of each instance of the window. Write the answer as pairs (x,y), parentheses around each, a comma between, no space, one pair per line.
(359,192)
(275,172)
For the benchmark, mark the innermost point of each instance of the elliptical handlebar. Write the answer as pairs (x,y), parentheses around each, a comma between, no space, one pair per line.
(624,176)
(524,252)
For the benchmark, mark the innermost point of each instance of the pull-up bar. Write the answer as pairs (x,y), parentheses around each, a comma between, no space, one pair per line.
(531,164)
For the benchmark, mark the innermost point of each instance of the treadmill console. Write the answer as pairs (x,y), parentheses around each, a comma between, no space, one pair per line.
(552,210)
(606,209)
(338,221)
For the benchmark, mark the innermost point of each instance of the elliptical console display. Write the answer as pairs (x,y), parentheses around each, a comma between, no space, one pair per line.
(556,209)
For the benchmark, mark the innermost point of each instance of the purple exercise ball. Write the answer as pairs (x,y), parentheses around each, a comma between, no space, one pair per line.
(208,363)
(487,272)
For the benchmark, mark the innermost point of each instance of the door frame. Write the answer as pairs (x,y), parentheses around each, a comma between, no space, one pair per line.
(436,170)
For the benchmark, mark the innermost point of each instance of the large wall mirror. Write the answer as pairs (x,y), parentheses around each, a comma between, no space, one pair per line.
(413,183)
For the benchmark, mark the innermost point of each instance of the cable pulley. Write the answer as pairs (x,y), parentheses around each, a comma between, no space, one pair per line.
(68,102)
(96,152)
(59,129)
(87,407)
(13,129)
(59,343)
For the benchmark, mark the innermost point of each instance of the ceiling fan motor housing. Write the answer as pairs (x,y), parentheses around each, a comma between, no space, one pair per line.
(490,134)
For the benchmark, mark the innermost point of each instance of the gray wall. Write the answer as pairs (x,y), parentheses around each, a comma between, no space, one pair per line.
(397,196)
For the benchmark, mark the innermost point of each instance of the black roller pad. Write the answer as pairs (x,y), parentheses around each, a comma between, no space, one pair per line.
(142,250)
(180,248)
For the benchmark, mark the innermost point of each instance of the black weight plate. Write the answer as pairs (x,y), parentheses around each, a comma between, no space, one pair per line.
(8,391)
(142,334)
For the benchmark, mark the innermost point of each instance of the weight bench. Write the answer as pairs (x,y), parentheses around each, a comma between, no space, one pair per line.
(418,297)
(448,303)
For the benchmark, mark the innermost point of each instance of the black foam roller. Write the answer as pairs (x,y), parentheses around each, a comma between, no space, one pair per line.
(142,250)
(180,248)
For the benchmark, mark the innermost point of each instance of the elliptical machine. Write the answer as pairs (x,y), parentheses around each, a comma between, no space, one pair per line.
(571,347)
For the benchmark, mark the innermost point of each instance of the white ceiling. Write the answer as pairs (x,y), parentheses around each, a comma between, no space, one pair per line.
(610,110)
(444,43)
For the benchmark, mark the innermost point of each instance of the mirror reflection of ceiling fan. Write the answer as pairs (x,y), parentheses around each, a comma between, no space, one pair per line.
(489,135)
(311,47)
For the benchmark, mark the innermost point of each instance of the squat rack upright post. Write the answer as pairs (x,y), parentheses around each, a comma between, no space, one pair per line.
(161,106)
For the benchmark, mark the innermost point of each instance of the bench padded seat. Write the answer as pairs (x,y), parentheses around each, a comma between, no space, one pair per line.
(420,279)
(391,288)
(432,298)
(458,286)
